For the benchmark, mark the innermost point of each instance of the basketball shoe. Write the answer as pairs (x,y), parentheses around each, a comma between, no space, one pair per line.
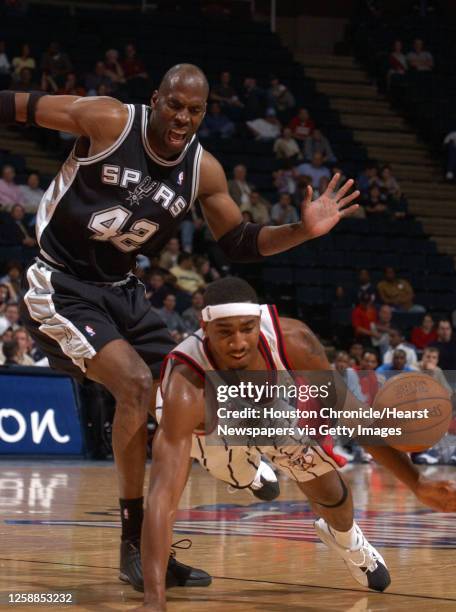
(177,574)
(265,485)
(364,563)
(427,457)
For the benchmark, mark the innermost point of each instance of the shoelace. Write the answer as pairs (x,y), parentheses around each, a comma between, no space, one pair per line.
(368,556)
(179,545)
(366,550)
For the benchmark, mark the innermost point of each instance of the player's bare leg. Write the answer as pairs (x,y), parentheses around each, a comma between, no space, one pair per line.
(120,369)
(127,377)
(331,500)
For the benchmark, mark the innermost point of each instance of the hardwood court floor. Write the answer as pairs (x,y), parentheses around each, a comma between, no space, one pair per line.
(59,532)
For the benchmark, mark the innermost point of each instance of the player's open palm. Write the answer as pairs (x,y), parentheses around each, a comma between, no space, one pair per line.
(320,216)
(439,495)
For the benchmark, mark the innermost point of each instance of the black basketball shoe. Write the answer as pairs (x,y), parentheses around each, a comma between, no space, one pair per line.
(178,574)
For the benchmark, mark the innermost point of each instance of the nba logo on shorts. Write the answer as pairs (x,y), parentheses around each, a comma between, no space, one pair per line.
(89,330)
(180,178)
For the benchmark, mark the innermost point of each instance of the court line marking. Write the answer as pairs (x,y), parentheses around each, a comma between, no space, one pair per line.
(276,582)
(332,588)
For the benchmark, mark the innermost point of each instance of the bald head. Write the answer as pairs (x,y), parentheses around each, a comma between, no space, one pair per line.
(184,75)
(178,107)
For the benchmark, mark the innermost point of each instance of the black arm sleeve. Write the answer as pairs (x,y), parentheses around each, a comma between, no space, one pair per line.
(31,107)
(241,243)
(7,107)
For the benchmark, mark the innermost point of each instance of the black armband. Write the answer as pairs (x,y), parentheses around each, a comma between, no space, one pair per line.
(31,106)
(7,107)
(241,243)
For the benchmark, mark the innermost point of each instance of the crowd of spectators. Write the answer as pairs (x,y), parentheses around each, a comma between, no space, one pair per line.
(175,281)
(364,376)
(174,285)
(121,74)
(269,113)
(372,316)
(262,111)
(18,206)
(381,195)
(382,349)
(410,59)
(385,349)
(16,345)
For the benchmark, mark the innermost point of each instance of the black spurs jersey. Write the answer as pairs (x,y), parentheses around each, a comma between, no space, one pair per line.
(101,211)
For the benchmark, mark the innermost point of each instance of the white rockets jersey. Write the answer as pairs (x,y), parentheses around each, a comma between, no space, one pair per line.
(237,465)
(195,353)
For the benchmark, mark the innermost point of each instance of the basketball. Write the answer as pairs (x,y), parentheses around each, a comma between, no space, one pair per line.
(409,393)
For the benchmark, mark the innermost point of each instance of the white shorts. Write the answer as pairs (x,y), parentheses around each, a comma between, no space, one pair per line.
(237,465)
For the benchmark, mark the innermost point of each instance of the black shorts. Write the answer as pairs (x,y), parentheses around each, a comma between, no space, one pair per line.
(71,320)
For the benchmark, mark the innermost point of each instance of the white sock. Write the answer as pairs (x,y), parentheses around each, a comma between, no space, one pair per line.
(346,539)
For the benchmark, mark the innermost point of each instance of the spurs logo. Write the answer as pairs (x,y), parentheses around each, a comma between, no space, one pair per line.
(145,187)
(68,336)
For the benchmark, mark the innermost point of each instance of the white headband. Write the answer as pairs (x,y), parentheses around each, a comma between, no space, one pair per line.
(236,309)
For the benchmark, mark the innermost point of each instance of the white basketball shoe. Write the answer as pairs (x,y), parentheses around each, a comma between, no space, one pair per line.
(363,561)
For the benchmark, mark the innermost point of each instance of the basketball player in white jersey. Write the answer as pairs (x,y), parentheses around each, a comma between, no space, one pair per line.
(131,178)
(239,334)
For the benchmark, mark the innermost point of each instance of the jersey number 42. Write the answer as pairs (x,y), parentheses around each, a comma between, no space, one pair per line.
(109,223)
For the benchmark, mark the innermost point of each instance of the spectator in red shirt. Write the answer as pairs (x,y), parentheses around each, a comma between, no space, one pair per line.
(397,60)
(425,333)
(368,379)
(363,316)
(302,125)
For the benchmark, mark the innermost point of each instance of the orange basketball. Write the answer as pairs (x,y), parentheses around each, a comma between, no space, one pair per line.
(423,410)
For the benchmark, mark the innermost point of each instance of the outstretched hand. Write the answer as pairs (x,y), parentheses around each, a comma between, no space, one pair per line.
(320,216)
(439,495)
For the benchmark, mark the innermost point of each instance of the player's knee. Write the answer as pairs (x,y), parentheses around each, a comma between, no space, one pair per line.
(330,491)
(141,385)
(136,389)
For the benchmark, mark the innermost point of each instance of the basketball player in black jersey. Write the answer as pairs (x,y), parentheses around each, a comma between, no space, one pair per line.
(132,176)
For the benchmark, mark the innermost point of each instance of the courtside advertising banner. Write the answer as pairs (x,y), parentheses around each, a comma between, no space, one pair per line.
(39,415)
